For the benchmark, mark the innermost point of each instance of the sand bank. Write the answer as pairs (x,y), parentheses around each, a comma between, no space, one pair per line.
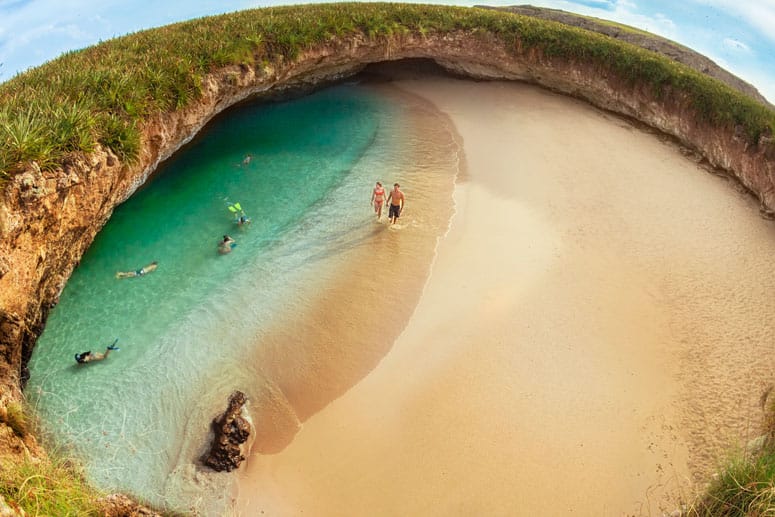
(364,286)
(593,333)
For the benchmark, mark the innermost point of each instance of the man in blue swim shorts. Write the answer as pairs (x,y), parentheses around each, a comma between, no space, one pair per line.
(139,272)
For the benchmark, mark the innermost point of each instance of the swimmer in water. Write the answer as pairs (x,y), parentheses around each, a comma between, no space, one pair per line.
(88,357)
(241,218)
(138,272)
(226,245)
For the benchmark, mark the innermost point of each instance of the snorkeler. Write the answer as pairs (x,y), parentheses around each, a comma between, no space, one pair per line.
(241,218)
(138,272)
(87,357)
(226,245)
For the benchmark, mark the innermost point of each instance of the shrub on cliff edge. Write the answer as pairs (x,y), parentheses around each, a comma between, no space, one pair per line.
(745,487)
(46,487)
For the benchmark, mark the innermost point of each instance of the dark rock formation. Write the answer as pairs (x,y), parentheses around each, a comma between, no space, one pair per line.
(12,510)
(119,505)
(230,431)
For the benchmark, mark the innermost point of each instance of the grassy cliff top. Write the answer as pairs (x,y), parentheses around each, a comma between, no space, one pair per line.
(102,94)
(642,39)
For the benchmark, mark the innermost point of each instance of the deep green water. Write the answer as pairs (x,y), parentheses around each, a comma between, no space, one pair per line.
(134,419)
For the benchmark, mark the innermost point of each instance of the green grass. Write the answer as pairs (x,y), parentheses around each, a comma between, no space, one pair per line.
(47,487)
(50,485)
(746,487)
(102,94)
(42,486)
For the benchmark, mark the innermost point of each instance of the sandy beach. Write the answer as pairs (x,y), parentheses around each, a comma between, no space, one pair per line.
(590,338)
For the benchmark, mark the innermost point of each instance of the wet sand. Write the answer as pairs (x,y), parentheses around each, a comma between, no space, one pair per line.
(361,295)
(592,337)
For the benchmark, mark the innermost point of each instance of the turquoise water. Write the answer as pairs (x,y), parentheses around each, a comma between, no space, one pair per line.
(136,418)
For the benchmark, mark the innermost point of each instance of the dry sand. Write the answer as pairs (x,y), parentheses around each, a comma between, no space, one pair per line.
(593,335)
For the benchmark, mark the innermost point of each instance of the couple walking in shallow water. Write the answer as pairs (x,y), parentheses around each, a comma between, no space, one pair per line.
(395,198)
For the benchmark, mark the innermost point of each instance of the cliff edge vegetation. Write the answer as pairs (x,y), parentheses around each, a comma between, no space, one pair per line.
(79,134)
(102,94)
(642,39)
(745,485)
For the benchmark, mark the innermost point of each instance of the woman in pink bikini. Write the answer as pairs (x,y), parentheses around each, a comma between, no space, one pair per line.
(378,199)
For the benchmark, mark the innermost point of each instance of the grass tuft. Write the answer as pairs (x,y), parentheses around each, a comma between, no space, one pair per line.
(120,136)
(745,487)
(47,487)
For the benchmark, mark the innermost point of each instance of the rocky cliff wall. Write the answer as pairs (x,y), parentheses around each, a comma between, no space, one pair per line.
(48,219)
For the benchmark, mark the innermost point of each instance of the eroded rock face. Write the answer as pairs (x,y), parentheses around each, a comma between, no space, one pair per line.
(119,505)
(49,218)
(230,431)
(10,510)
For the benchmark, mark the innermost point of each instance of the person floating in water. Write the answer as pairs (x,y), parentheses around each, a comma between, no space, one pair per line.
(226,245)
(242,219)
(247,159)
(378,199)
(138,272)
(397,200)
(88,357)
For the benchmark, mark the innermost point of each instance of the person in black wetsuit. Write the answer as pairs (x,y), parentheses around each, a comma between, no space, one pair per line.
(87,357)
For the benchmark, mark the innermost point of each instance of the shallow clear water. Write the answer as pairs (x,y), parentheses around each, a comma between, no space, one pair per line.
(183,328)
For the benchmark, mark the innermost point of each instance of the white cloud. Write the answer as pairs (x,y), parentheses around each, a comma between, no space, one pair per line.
(622,11)
(44,41)
(726,50)
(37,31)
(736,45)
(603,4)
(759,14)
(753,74)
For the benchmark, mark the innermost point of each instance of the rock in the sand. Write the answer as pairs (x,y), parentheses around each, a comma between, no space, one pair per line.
(119,505)
(12,510)
(231,430)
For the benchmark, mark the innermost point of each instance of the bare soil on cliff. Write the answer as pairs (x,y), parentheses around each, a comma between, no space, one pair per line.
(592,338)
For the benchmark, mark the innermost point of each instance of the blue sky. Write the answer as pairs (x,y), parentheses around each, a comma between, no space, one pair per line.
(737,34)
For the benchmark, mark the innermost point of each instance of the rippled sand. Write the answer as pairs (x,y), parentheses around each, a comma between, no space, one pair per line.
(593,335)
